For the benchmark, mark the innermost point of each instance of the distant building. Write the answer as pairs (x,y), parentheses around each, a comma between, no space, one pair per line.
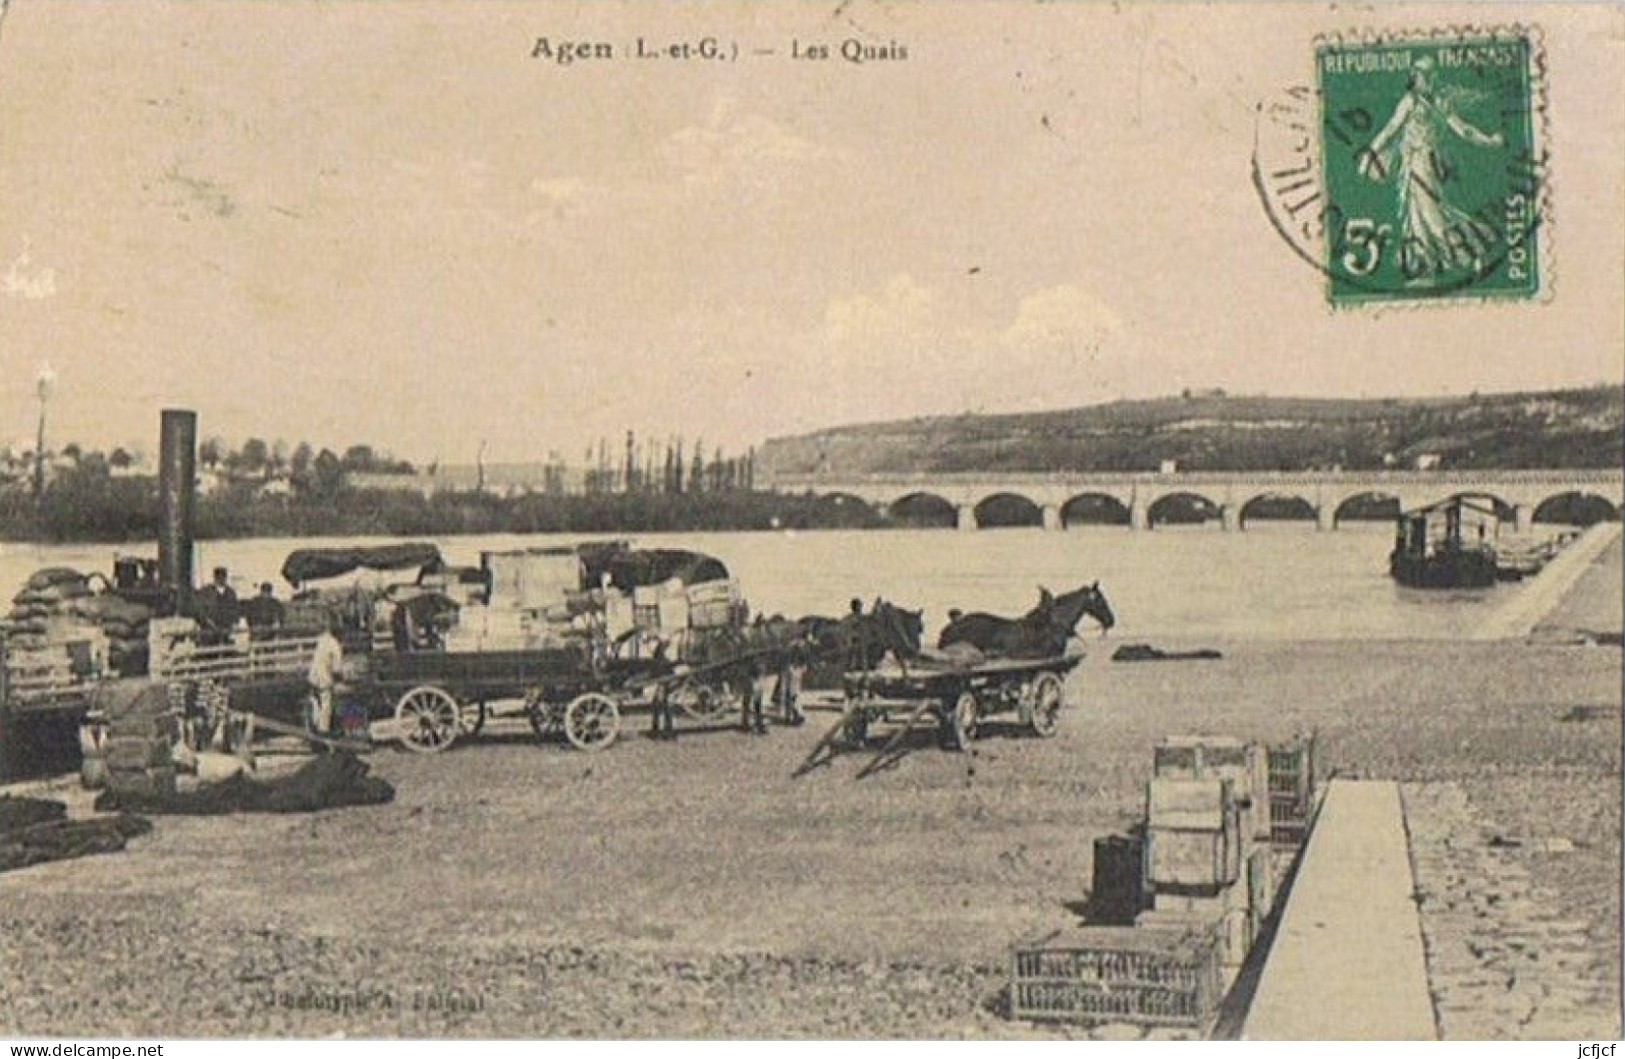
(211,480)
(1168,467)
(1428,461)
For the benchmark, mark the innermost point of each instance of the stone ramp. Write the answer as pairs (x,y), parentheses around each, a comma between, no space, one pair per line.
(1542,593)
(1347,961)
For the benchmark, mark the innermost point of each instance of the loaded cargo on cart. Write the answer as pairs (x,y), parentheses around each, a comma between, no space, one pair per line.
(570,638)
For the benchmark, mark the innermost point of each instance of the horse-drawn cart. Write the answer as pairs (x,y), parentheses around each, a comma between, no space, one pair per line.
(427,700)
(570,638)
(435,697)
(958,695)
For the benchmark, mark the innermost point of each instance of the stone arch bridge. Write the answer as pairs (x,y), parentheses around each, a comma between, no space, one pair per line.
(1137,498)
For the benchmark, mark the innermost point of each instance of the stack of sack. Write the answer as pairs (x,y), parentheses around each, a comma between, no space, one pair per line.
(57,604)
(45,596)
(124,623)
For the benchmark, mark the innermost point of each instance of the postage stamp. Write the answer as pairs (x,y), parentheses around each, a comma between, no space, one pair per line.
(1429,167)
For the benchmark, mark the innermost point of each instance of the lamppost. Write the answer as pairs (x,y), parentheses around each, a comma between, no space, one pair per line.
(42,387)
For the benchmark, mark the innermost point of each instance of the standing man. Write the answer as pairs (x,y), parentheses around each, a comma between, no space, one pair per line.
(263,613)
(217,609)
(787,687)
(324,676)
(662,723)
(754,683)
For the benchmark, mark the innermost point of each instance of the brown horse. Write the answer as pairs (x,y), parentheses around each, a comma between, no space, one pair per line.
(1040,633)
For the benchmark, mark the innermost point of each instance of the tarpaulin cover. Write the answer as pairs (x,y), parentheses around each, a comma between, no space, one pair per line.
(314,564)
(328,781)
(34,830)
(653,566)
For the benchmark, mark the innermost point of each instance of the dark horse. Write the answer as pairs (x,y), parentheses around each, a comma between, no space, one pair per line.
(1040,633)
(859,641)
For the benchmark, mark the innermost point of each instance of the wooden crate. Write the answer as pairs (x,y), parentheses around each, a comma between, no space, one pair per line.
(1192,858)
(1292,791)
(1193,832)
(1189,804)
(1292,769)
(1231,926)
(1120,974)
(1208,901)
(711,615)
(1245,764)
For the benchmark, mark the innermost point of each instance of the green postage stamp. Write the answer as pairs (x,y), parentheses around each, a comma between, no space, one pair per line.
(1431,168)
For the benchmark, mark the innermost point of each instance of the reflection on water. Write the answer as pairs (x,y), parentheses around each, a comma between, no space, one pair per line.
(1285,581)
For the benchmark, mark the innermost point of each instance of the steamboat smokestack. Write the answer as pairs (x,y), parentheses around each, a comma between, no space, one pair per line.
(177,481)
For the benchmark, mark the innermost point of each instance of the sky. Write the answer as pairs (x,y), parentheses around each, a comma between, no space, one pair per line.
(392,223)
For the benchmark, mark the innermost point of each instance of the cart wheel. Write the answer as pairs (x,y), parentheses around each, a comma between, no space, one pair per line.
(705,702)
(471,718)
(1046,701)
(429,719)
(963,720)
(591,721)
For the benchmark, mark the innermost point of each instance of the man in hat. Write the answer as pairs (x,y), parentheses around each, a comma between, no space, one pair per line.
(217,609)
(263,613)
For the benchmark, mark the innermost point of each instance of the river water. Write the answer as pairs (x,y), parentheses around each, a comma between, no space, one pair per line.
(1274,581)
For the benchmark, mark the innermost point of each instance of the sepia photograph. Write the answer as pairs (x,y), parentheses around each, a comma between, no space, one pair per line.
(876,520)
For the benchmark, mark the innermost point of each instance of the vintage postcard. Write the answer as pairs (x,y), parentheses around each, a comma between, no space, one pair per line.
(878,520)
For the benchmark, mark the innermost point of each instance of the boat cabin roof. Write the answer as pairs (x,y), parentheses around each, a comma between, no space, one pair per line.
(1482,504)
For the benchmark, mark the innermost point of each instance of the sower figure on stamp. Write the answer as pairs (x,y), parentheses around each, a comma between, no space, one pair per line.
(1436,235)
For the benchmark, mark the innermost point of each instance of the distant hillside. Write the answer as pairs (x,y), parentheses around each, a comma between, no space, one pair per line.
(1213,431)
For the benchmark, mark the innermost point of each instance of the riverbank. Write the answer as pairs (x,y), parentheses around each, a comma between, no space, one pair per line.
(696,889)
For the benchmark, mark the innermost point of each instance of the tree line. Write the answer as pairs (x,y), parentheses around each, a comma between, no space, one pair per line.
(644,465)
(85,500)
(257,458)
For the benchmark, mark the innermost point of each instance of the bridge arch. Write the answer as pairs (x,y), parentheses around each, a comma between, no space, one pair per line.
(849,510)
(1369,506)
(1182,507)
(1576,508)
(1276,507)
(1005,510)
(923,510)
(1095,509)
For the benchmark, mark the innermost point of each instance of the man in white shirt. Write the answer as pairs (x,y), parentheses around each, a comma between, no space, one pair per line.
(323,677)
